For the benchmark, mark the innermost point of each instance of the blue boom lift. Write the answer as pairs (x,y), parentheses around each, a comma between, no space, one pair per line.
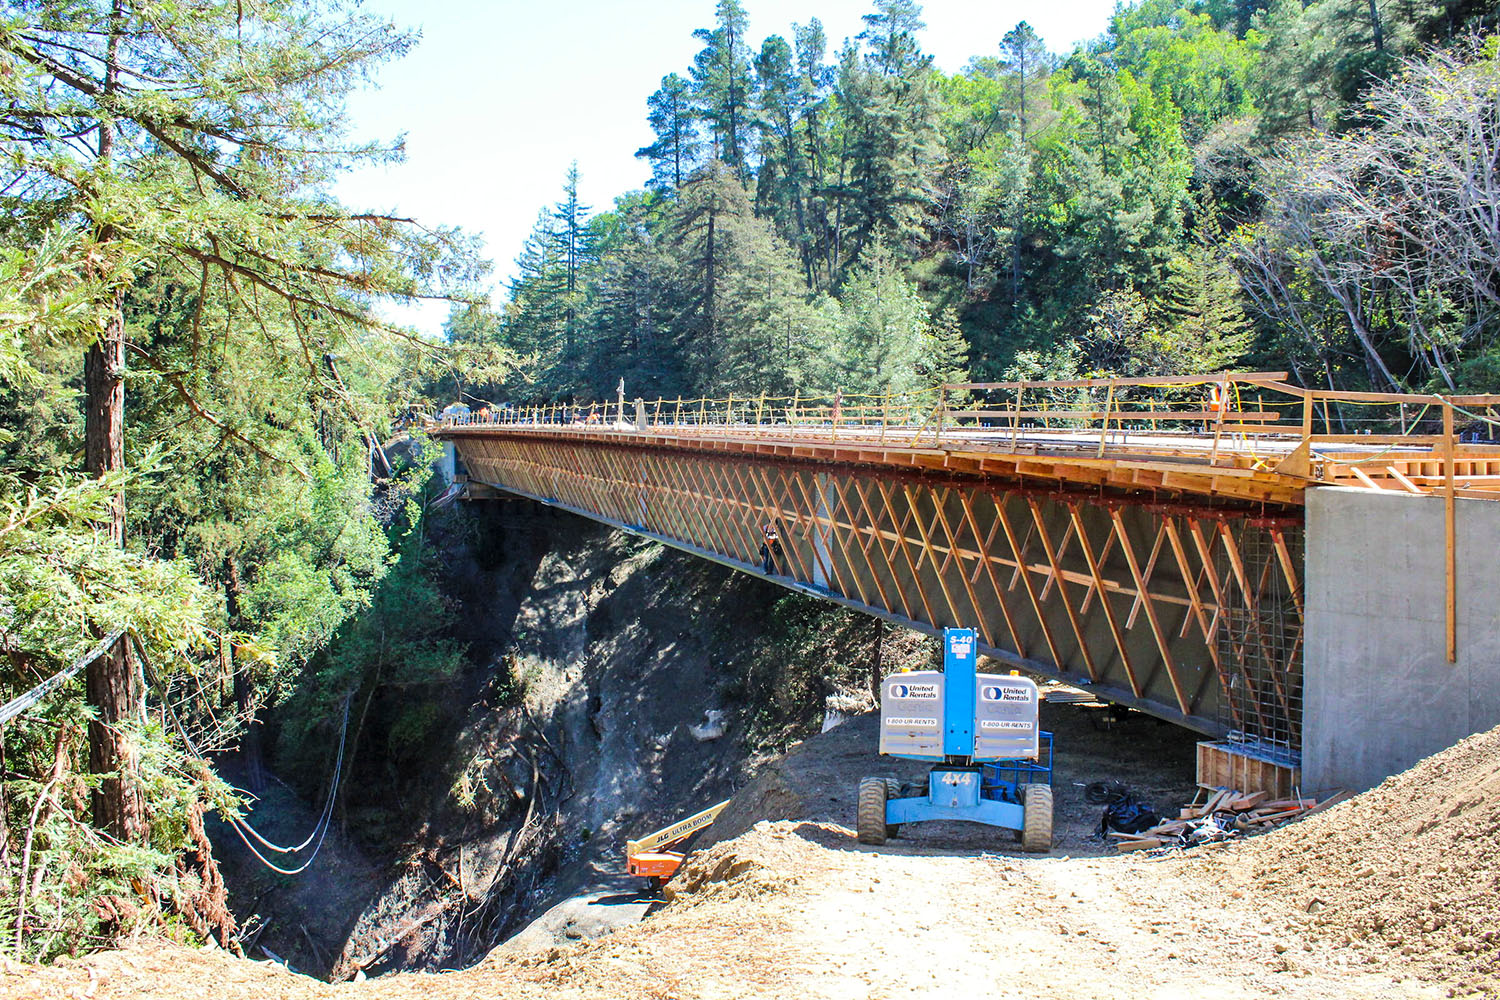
(994,764)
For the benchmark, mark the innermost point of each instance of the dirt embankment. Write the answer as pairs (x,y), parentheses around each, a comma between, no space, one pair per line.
(1407,873)
(798,909)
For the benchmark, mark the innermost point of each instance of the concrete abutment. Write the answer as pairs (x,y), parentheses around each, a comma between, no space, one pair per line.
(1379,692)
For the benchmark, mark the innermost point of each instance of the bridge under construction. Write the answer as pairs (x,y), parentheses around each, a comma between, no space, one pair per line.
(1148,539)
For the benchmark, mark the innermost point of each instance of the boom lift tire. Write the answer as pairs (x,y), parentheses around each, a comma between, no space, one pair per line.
(1036,834)
(870,819)
(892,791)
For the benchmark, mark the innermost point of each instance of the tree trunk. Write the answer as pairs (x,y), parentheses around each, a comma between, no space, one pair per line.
(113,688)
(104,412)
(1377,31)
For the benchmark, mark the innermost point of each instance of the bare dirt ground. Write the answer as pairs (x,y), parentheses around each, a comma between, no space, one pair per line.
(1389,895)
(799,910)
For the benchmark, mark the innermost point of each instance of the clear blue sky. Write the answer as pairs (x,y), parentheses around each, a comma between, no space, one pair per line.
(500,96)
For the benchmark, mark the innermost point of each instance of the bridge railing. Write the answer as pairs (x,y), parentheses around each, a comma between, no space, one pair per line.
(1221,416)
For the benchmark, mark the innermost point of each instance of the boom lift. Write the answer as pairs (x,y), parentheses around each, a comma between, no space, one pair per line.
(994,764)
(648,858)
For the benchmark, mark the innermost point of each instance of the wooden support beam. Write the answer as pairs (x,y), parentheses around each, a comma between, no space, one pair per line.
(862,541)
(787,502)
(926,541)
(878,538)
(1062,590)
(1288,571)
(1056,561)
(916,577)
(816,540)
(1031,594)
(1209,632)
(1145,599)
(984,563)
(1109,612)
(981,622)
(779,514)
(1143,588)
(1092,590)
(834,537)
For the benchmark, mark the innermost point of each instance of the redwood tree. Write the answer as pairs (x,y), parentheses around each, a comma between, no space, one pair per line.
(202,137)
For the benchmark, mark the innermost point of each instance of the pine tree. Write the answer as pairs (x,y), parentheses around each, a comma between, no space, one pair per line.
(1029,63)
(945,357)
(891,36)
(724,87)
(891,143)
(534,318)
(674,118)
(573,252)
(883,331)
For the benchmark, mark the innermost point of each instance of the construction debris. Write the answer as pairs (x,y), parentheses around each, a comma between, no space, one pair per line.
(1223,814)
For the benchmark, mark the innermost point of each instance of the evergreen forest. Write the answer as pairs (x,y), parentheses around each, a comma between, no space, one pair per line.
(195,372)
(1206,186)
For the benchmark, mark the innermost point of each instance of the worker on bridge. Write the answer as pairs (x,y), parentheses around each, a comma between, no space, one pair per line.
(1218,404)
(770,549)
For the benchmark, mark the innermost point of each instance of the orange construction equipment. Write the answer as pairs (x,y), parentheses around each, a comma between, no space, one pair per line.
(646,858)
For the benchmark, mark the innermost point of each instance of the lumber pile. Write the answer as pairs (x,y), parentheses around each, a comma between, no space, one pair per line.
(1223,814)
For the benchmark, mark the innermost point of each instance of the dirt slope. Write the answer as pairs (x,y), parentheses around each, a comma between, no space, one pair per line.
(1408,872)
(798,909)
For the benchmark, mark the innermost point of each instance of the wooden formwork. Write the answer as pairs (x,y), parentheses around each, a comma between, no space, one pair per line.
(1119,593)
(1224,765)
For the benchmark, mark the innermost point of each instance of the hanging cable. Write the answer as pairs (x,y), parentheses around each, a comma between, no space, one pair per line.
(240,826)
(338,769)
(320,830)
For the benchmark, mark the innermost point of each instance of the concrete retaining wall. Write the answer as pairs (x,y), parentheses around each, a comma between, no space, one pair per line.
(1379,692)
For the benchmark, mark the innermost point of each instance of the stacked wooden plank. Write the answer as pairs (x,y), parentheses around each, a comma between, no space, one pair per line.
(1221,814)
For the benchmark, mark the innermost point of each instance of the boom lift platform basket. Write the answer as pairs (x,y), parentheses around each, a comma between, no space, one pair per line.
(648,856)
(993,761)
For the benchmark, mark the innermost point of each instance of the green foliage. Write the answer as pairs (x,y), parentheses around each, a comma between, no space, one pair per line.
(168,167)
(396,651)
(884,333)
(1042,200)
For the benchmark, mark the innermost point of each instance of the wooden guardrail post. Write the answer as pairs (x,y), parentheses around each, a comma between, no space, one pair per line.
(1109,402)
(1450,540)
